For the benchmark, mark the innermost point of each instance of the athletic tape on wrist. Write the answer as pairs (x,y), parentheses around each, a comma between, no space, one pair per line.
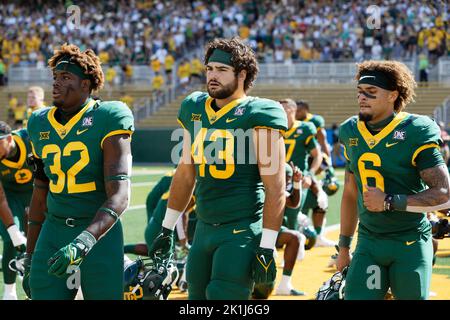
(268,238)
(171,218)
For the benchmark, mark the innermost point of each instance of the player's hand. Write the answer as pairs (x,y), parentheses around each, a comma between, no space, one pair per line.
(264,268)
(343,259)
(26,274)
(297,176)
(307,182)
(71,255)
(18,239)
(322,199)
(373,199)
(163,244)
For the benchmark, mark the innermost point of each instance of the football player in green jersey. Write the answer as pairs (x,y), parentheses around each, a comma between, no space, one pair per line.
(301,146)
(234,154)
(394,175)
(15,194)
(316,199)
(82,184)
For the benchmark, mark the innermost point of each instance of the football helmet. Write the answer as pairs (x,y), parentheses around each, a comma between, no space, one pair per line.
(311,237)
(330,184)
(334,288)
(149,279)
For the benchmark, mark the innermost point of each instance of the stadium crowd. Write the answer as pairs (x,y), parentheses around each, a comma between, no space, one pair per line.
(133,32)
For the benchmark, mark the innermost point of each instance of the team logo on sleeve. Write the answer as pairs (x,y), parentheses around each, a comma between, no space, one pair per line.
(399,135)
(239,111)
(353,142)
(44,135)
(196,117)
(87,122)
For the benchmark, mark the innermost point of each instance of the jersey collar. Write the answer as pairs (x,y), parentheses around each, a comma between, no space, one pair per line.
(22,157)
(63,130)
(373,140)
(214,116)
(292,129)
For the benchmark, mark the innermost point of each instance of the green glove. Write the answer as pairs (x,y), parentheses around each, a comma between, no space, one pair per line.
(72,254)
(162,245)
(26,274)
(264,268)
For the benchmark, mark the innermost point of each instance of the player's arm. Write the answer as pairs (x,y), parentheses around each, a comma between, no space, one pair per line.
(117,170)
(294,199)
(181,189)
(271,159)
(322,139)
(433,172)
(349,219)
(271,163)
(317,158)
(38,204)
(437,196)
(7,218)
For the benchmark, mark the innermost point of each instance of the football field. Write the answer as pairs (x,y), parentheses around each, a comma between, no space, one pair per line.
(308,275)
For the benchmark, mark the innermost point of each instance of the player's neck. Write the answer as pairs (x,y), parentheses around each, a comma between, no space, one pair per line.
(378,125)
(67,113)
(223,102)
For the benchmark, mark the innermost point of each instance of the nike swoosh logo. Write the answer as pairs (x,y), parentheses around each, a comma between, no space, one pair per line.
(408,243)
(263,259)
(296,135)
(230,120)
(388,145)
(238,231)
(80,132)
(366,77)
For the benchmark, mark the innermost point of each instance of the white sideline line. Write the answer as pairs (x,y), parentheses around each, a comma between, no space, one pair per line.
(143,184)
(140,206)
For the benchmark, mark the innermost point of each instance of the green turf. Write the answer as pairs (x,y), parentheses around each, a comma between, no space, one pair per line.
(134,220)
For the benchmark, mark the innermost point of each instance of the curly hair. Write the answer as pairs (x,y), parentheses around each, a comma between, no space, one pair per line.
(400,75)
(242,57)
(87,60)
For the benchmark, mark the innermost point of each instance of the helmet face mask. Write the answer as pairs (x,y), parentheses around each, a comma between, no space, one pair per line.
(151,279)
(334,288)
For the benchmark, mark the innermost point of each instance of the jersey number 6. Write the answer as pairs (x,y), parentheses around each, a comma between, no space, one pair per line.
(370,173)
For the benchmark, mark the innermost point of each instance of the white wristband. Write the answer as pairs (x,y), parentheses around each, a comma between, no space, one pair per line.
(16,236)
(297,185)
(171,218)
(180,230)
(268,239)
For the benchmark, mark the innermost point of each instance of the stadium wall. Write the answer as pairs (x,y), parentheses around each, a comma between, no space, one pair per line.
(155,146)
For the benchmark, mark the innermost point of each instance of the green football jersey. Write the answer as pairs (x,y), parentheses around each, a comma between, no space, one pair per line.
(18,176)
(73,154)
(232,189)
(387,160)
(316,120)
(299,141)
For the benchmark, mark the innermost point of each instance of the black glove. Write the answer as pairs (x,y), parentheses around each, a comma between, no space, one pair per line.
(162,245)
(264,268)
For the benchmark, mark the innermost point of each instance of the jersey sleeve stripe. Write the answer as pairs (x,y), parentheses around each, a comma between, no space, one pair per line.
(345,153)
(308,140)
(34,151)
(114,133)
(420,149)
(181,124)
